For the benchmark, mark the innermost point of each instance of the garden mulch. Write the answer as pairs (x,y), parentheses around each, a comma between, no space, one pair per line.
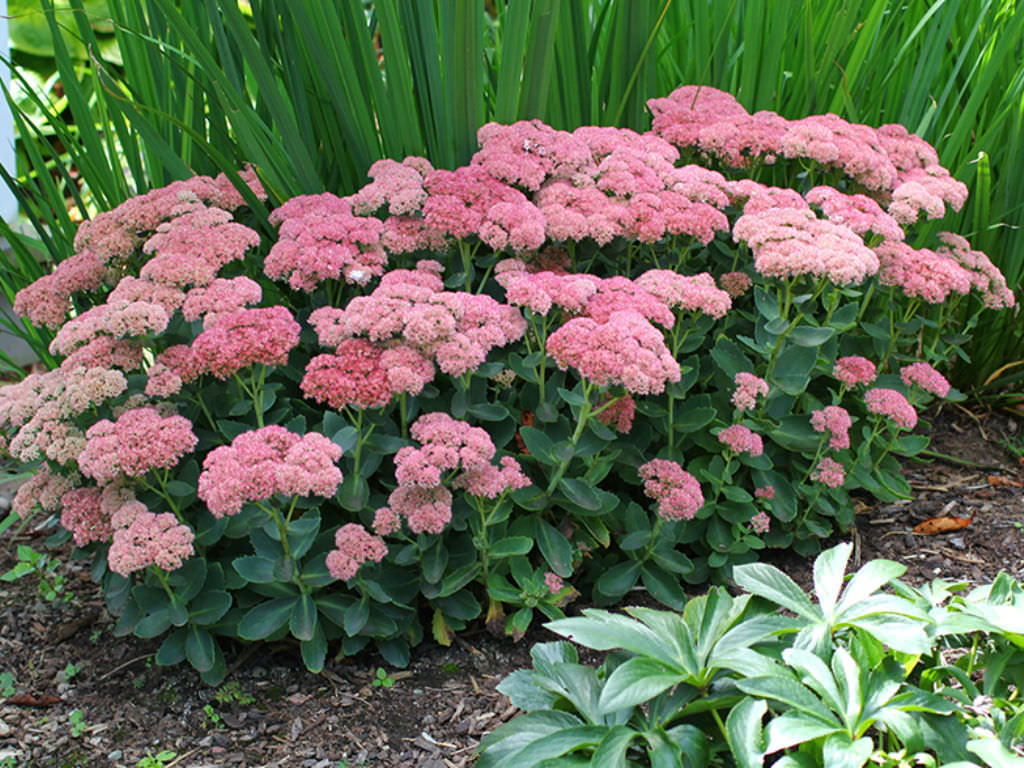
(433,714)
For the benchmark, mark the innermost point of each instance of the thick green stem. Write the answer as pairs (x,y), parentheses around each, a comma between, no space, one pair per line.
(585,413)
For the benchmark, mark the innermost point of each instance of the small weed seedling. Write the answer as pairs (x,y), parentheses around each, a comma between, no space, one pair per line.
(159,760)
(383,679)
(210,717)
(70,671)
(77,722)
(51,584)
(7,684)
(230,692)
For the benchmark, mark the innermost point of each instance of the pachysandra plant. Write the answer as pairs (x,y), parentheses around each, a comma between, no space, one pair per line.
(729,681)
(581,363)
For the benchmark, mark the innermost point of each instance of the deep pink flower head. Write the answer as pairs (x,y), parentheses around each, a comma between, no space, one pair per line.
(626,350)
(83,516)
(267,461)
(239,339)
(528,152)
(922,273)
(741,439)
(354,545)
(858,212)
(889,402)
(748,387)
(677,492)
(489,481)
(926,377)
(140,440)
(837,422)
(553,582)
(399,186)
(352,376)
(765,492)
(735,283)
(619,415)
(854,370)
(150,539)
(829,472)
(760,523)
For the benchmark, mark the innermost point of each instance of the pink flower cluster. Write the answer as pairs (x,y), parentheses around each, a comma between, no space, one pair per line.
(788,242)
(829,472)
(741,439)
(748,387)
(837,422)
(108,322)
(410,309)
(625,350)
(984,275)
(921,273)
(677,492)
(926,377)
(854,370)
(138,441)
(82,514)
(320,239)
(760,523)
(142,538)
(889,402)
(365,375)
(354,545)
(447,446)
(106,243)
(44,490)
(223,296)
(618,414)
(264,462)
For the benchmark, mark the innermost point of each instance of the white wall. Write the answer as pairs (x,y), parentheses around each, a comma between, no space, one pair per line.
(8,207)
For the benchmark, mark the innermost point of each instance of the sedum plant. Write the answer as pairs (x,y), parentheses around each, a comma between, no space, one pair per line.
(730,682)
(583,363)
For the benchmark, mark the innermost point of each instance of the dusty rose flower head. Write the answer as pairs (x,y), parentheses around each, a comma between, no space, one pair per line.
(760,523)
(748,387)
(150,539)
(922,273)
(836,421)
(83,515)
(695,293)
(263,462)
(889,402)
(765,492)
(829,472)
(741,439)
(553,582)
(222,296)
(735,283)
(44,490)
(984,275)
(427,510)
(352,376)
(854,370)
(858,212)
(677,492)
(399,186)
(385,521)
(619,414)
(626,350)
(489,481)
(247,337)
(140,440)
(926,377)
(354,545)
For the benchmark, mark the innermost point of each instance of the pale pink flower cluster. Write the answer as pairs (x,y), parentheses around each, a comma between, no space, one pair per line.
(619,414)
(748,388)
(43,490)
(410,308)
(264,462)
(396,186)
(365,375)
(320,239)
(527,153)
(765,492)
(625,350)
(854,370)
(131,289)
(138,441)
(735,283)
(117,320)
(354,545)
(860,213)
(192,248)
(837,422)
(693,293)
(677,492)
(553,582)
(787,242)
(447,446)
(921,273)
(236,340)
(760,523)
(741,439)
(889,402)
(104,244)
(829,472)
(221,297)
(82,514)
(926,190)
(149,539)
(926,377)
(984,275)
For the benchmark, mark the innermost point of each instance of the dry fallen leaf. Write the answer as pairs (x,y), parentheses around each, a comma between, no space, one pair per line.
(1006,482)
(943,524)
(29,700)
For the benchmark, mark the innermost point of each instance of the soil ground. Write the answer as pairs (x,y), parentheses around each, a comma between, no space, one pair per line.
(74,696)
